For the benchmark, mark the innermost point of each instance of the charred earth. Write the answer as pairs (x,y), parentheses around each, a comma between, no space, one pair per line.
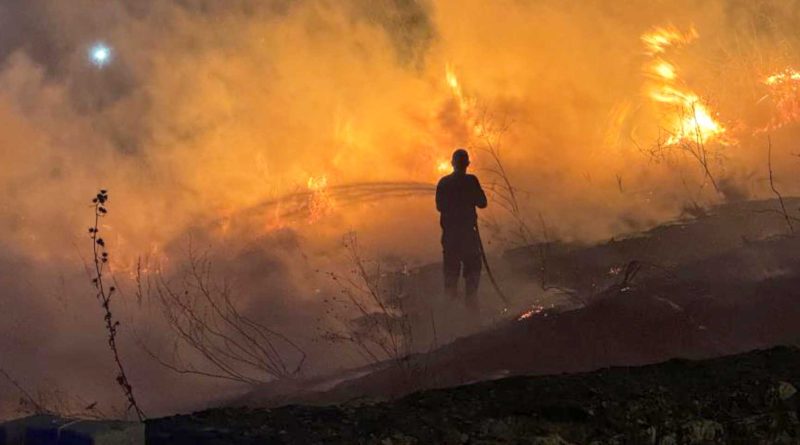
(747,399)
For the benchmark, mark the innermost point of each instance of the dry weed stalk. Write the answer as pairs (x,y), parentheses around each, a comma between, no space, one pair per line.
(506,195)
(104,295)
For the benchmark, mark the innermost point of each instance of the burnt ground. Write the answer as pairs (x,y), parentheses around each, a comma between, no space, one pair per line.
(746,399)
(723,283)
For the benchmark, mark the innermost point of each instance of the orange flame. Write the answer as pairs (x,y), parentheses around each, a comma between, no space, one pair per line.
(464,103)
(787,75)
(784,91)
(687,118)
(663,69)
(320,203)
(535,310)
(662,38)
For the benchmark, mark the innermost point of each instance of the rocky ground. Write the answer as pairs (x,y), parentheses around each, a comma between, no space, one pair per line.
(743,399)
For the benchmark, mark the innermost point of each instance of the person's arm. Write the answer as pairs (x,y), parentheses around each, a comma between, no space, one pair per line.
(480,196)
(439,197)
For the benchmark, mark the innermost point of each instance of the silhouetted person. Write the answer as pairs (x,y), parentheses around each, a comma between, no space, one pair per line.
(457,196)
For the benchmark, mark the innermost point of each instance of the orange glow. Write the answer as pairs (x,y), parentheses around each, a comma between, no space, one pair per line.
(455,88)
(686,117)
(466,104)
(663,69)
(787,75)
(535,310)
(690,120)
(317,184)
(443,167)
(150,260)
(320,202)
(662,38)
(784,91)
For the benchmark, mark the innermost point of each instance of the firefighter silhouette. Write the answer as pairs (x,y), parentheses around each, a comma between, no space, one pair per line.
(457,196)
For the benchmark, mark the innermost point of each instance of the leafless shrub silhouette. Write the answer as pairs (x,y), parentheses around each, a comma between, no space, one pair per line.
(508,196)
(489,138)
(381,330)
(371,314)
(104,295)
(28,404)
(201,313)
(54,402)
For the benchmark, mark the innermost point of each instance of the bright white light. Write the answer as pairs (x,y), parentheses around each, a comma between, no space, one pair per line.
(100,54)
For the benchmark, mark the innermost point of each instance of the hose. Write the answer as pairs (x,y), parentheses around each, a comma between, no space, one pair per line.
(489,271)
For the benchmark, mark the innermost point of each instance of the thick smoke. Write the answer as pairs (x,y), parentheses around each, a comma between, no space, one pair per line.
(211,109)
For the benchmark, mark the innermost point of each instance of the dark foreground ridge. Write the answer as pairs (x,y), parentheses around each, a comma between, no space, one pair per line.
(742,399)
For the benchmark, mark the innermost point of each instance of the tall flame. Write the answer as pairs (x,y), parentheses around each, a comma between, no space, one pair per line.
(466,104)
(455,88)
(687,117)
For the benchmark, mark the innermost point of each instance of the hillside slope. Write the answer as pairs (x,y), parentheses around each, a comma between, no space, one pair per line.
(722,284)
(747,399)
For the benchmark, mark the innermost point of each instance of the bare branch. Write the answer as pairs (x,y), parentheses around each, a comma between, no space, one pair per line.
(775,189)
(204,319)
(382,330)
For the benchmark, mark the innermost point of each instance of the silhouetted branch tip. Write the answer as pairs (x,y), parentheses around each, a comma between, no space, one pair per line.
(104,295)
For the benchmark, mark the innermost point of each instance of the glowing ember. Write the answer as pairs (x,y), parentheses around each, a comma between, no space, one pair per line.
(535,310)
(687,117)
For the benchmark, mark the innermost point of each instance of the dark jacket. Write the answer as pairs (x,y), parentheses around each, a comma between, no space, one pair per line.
(457,196)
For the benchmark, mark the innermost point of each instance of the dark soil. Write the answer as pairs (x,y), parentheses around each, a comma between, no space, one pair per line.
(747,399)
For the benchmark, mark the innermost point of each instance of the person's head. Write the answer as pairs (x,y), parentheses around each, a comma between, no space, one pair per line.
(460,161)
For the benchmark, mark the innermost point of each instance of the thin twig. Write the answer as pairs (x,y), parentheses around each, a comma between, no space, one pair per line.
(39,409)
(201,313)
(775,189)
